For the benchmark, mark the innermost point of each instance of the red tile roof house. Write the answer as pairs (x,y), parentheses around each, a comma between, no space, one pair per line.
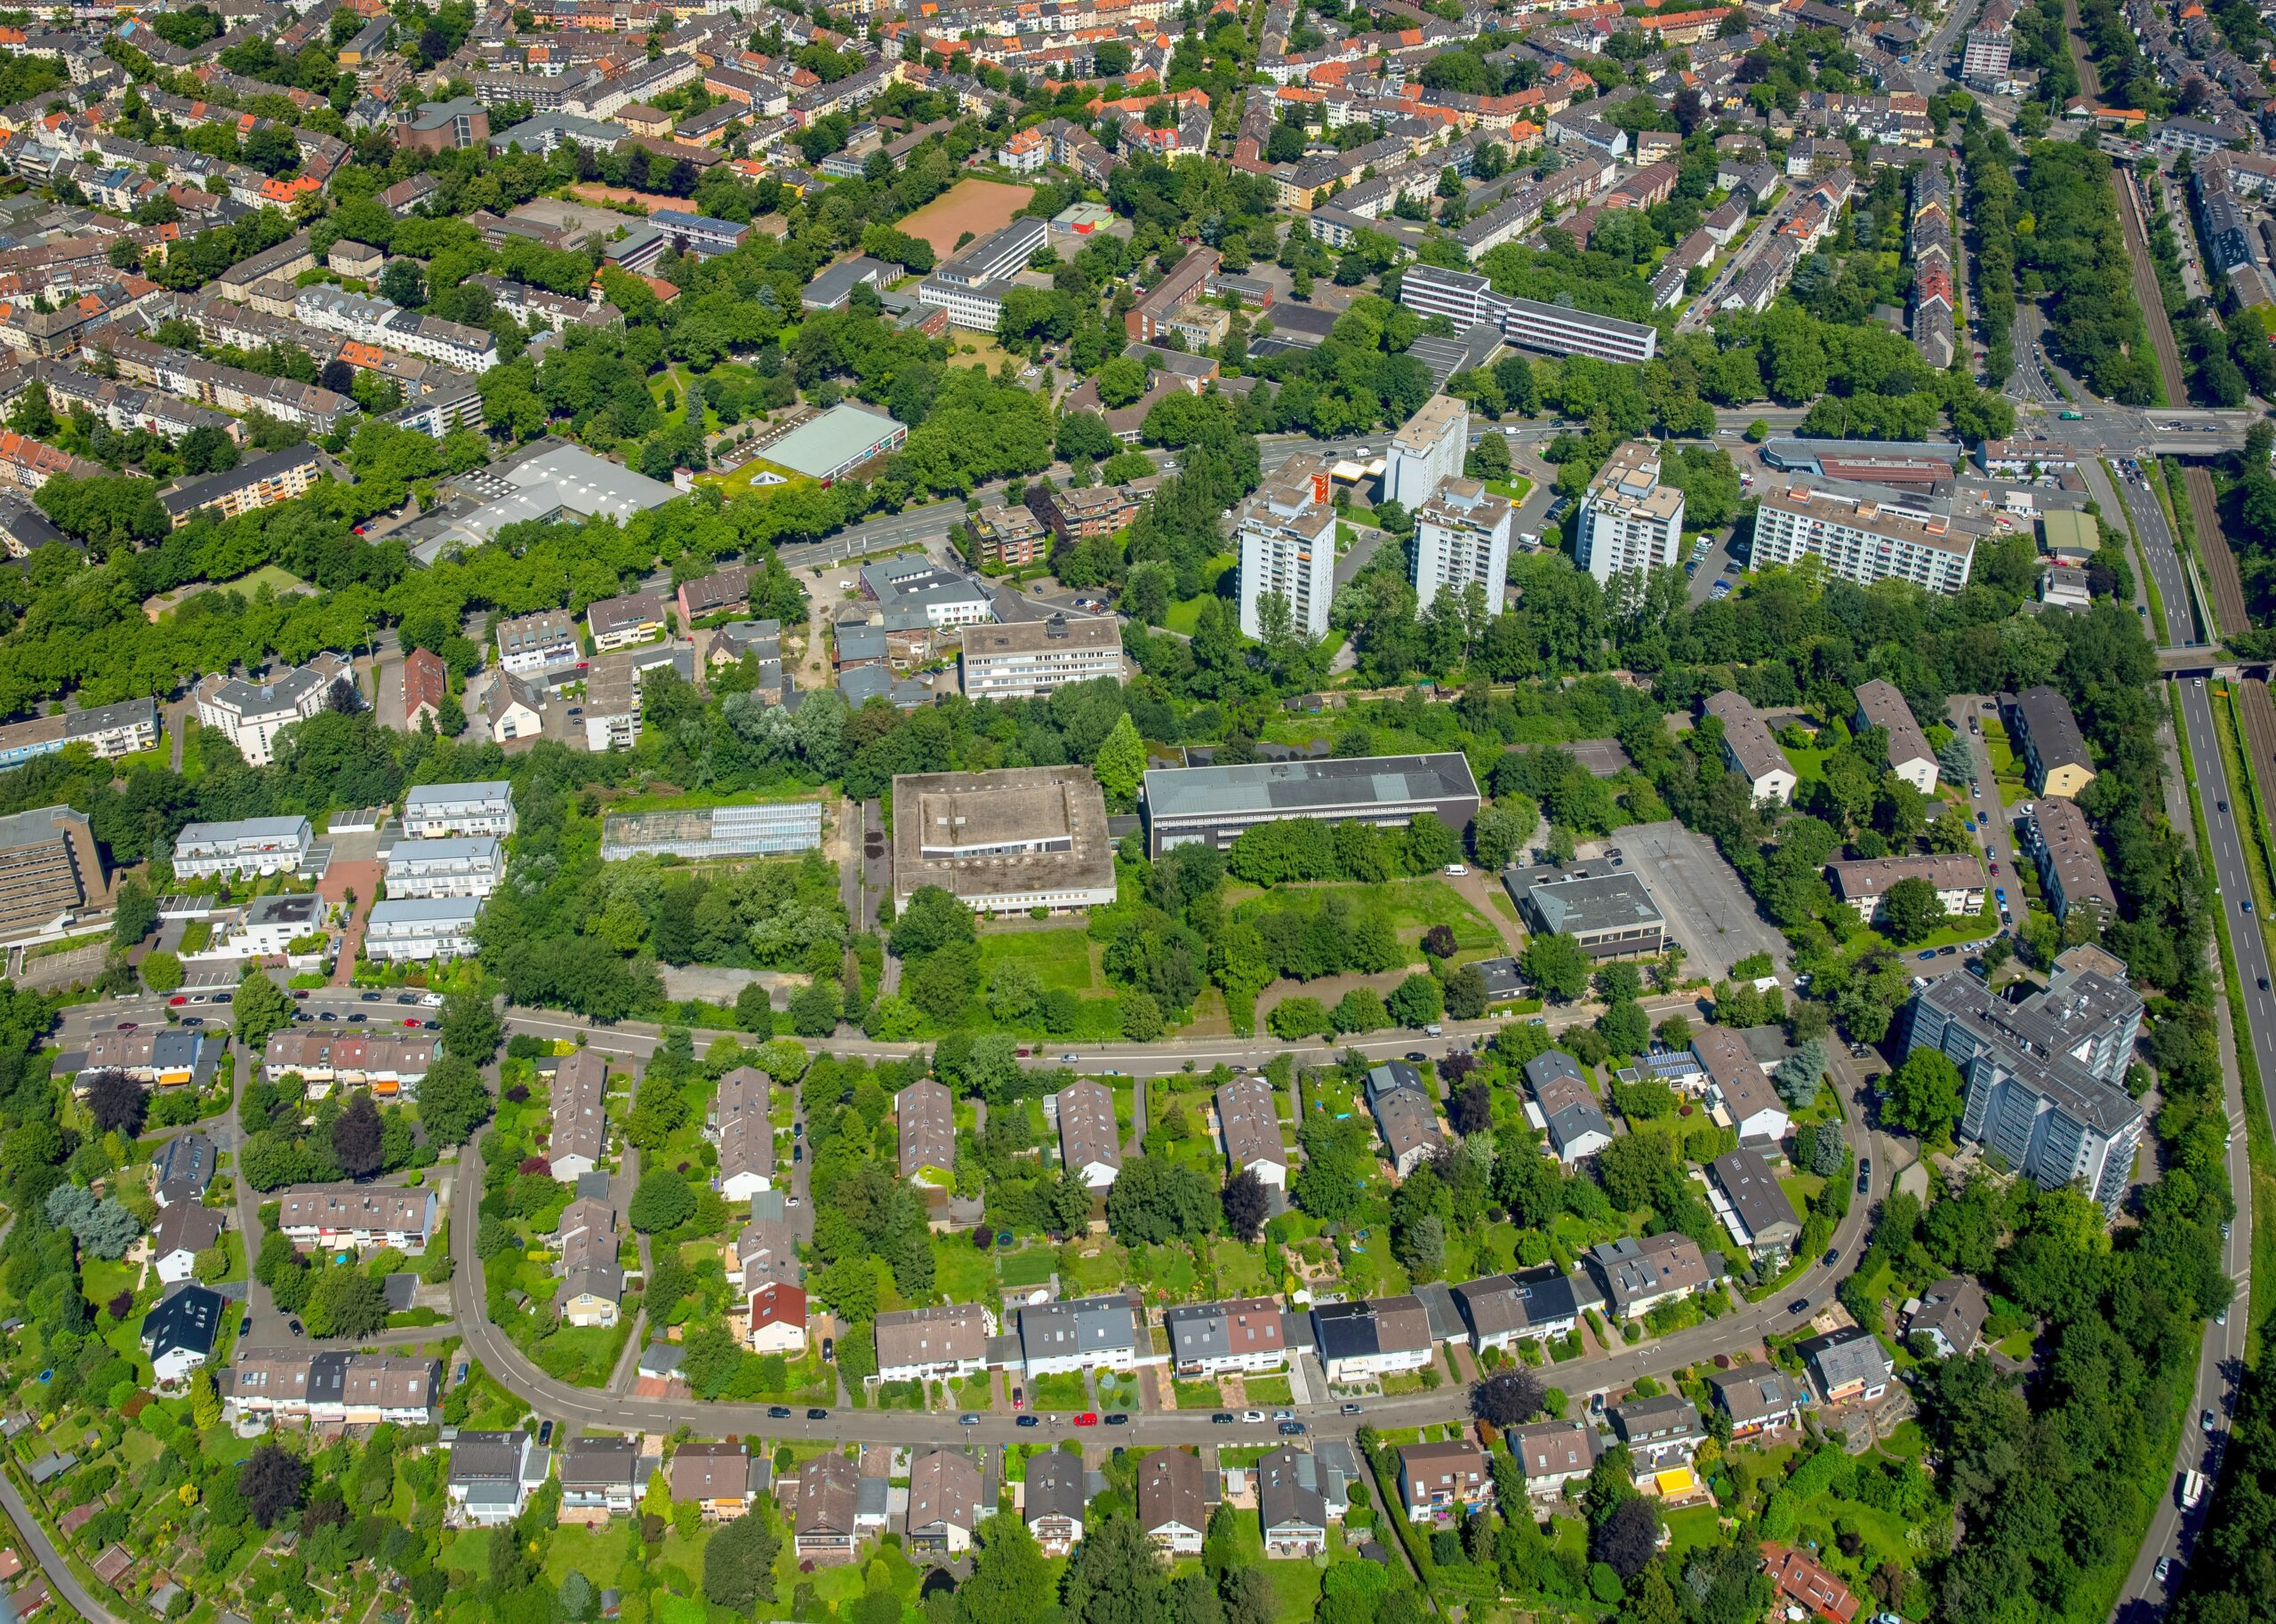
(1804,1582)
(426,685)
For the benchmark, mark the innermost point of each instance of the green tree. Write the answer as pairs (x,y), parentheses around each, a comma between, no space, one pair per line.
(344,1301)
(133,914)
(663,1201)
(161,972)
(1119,764)
(453,1101)
(1011,1580)
(260,1008)
(1154,1200)
(739,1561)
(1910,911)
(1417,1001)
(1555,964)
(470,1027)
(1926,1094)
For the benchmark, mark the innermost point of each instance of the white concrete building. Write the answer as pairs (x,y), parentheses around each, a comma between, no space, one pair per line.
(434,811)
(1461,534)
(246,847)
(1863,535)
(1287,536)
(421,928)
(1630,522)
(471,867)
(250,715)
(1026,660)
(1429,447)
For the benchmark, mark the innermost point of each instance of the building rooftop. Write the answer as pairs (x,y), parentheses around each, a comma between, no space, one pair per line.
(2054,736)
(1297,787)
(1748,735)
(1008,832)
(822,446)
(1629,484)
(1883,706)
(1584,901)
(1058,632)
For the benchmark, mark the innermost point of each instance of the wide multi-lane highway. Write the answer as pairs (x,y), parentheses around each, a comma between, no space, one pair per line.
(2221,1357)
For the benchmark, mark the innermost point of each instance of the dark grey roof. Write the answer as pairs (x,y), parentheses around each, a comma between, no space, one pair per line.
(487,1457)
(187,1320)
(2054,736)
(1284,1497)
(186,1159)
(1851,1354)
(1056,1486)
(1502,1304)
(1298,789)
(1746,1180)
(1584,902)
(1644,1420)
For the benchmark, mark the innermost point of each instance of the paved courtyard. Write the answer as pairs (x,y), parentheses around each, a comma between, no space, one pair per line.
(1706,905)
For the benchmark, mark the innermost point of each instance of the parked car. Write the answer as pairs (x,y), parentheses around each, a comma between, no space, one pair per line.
(1027,1420)
(1292,1429)
(1352,1409)
(1118,1419)
(1800,1304)
(1089,1418)
(781,1412)
(1223,1418)
(370,998)
(1252,1416)
(968,1420)
(817,1415)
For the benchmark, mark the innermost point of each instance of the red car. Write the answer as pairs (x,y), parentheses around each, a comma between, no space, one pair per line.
(176,1001)
(1089,1418)
(413,1024)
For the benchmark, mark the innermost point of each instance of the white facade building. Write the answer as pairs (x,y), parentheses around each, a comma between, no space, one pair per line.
(1429,447)
(251,715)
(247,846)
(1630,522)
(1862,536)
(1461,534)
(1287,533)
(433,810)
(421,928)
(469,867)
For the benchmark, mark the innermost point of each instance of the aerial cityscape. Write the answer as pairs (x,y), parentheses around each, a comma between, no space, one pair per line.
(1091,812)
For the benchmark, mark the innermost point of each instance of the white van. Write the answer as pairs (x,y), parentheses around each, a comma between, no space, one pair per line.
(2192,1490)
(1456,869)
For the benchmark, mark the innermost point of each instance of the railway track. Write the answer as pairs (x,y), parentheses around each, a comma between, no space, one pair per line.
(2220,560)
(2146,291)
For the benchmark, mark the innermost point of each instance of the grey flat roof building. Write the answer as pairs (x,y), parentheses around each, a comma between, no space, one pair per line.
(1610,912)
(1004,841)
(1188,805)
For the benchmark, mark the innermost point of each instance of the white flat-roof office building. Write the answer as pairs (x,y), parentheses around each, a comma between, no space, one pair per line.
(1186,804)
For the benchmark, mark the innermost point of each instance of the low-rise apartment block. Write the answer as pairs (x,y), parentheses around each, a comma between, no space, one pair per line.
(414,930)
(362,1217)
(433,810)
(1029,660)
(243,848)
(250,714)
(468,867)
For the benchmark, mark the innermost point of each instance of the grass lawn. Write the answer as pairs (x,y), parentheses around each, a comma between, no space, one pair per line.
(1694,1525)
(1185,614)
(1191,1394)
(1801,1189)
(1030,1266)
(1515,487)
(965,1273)
(1269,1390)
(1056,958)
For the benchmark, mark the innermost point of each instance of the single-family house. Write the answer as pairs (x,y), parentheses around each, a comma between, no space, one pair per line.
(1443,1480)
(1553,1454)
(1057,1491)
(1534,1303)
(179,1334)
(1755,1397)
(1090,1146)
(1848,1363)
(944,1503)
(1636,1275)
(1243,1334)
(1405,1113)
(1290,1507)
(600,1478)
(823,1520)
(932,1344)
(182,1231)
(778,1320)
(491,1474)
(1661,1431)
(1951,1316)
(722,1478)
(1172,1502)
(1375,1337)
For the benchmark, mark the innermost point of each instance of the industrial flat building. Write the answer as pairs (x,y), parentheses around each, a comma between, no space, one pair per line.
(1004,841)
(840,440)
(49,866)
(1186,804)
(1609,912)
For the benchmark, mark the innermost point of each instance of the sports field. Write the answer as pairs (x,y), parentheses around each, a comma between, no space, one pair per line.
(977,206)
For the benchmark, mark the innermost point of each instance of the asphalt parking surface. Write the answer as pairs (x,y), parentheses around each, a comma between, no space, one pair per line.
(1701,897)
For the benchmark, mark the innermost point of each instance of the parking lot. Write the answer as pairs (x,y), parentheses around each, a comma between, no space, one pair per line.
(1706,907)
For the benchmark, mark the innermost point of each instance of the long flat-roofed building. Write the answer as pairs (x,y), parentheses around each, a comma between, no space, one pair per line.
(1880,705)
(1027,660)
(1630,522)
(1004,841)
(461,867)
(1187,805)
(1610,914)
(2045,1076)
(1863,535)
(2056,836)
(49,866)
(1467,299)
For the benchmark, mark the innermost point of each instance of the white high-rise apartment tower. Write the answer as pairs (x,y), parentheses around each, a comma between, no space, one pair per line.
(1461,534)
(1431,446)
(1629,520)
(1287,533)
